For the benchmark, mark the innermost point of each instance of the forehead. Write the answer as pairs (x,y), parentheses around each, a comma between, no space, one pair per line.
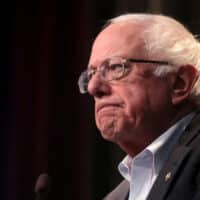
(120,39)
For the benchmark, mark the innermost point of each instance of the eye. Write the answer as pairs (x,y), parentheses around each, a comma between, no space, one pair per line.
(116,67)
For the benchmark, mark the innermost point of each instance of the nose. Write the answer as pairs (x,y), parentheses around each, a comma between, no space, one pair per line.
(97,87)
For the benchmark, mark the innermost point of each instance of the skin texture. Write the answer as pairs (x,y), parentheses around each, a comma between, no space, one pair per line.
(136,109)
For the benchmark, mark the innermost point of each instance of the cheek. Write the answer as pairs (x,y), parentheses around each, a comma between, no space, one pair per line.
(138,107)
(136,100)
(160,98)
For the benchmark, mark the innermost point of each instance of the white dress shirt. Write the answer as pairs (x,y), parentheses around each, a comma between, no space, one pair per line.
(142,170)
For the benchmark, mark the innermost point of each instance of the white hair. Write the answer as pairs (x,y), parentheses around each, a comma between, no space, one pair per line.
(168,40)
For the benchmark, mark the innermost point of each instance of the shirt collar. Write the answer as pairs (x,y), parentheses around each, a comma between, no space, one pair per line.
(159,148)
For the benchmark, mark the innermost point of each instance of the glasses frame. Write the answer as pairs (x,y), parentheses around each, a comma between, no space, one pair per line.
(83,84)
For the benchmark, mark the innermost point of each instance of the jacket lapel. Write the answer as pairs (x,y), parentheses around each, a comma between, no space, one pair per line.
(169,171)
(167,174)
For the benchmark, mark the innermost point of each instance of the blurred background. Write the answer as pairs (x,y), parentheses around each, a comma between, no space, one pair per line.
(47,126)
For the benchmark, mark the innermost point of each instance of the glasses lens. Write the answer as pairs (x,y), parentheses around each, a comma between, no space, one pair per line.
(114,69)
(111,69)
(83,82)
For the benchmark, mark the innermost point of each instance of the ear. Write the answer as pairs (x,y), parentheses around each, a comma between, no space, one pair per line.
(184,81)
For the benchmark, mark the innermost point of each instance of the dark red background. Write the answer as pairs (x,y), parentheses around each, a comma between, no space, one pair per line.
(47,126)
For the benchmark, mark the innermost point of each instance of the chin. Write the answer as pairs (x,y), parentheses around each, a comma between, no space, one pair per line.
(109,134)
(111,137)
(109,128)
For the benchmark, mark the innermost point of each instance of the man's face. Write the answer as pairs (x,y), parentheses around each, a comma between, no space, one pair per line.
(133,109)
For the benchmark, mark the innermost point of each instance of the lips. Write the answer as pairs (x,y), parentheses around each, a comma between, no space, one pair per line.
(106,106)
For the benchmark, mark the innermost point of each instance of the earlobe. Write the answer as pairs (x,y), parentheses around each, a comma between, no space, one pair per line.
(184,81)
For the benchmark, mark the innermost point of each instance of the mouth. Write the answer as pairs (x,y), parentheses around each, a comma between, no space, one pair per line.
(107,107)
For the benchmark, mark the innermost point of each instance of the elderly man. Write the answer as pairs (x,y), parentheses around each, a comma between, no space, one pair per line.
(143,74)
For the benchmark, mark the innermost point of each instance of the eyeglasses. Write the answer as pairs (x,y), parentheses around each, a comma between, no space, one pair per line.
(111,69)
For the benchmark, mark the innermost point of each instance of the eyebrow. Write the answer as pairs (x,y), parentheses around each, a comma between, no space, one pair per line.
(149,61)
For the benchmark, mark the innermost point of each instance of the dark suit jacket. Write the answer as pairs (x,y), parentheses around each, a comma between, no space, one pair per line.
(179,179)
